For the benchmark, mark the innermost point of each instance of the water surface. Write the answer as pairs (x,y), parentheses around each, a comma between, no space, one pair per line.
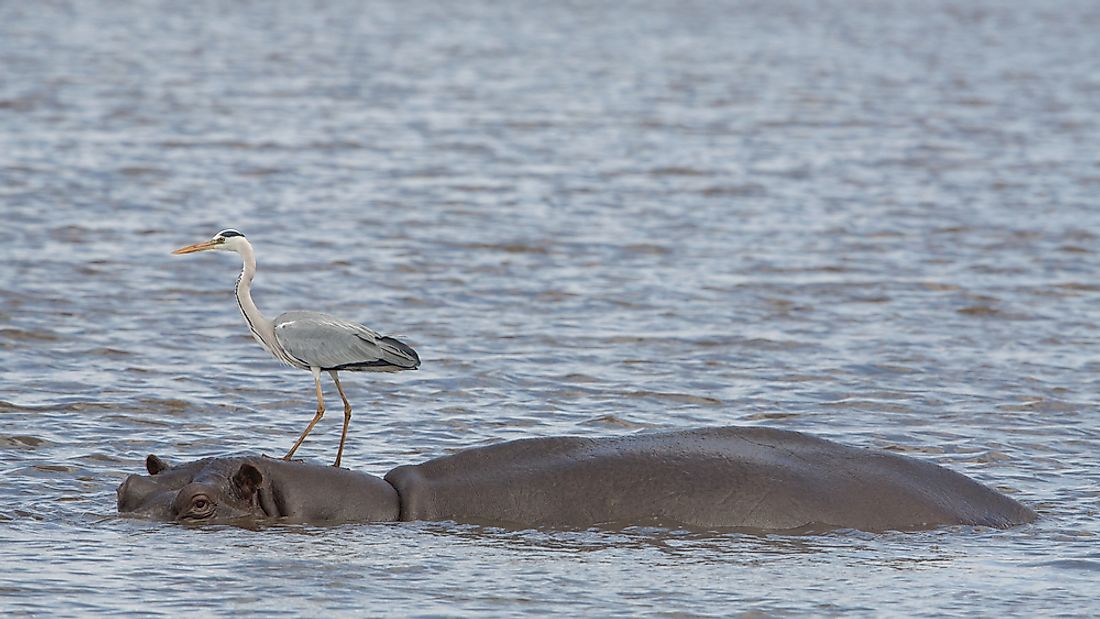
(875,222)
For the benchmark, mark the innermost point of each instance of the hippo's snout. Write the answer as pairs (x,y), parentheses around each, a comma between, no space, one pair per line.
(134,492)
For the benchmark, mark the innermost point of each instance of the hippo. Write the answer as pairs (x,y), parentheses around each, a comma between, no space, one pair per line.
(744,478)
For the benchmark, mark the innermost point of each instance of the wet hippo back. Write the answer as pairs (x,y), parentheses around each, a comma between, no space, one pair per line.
(710,478)
(301,492)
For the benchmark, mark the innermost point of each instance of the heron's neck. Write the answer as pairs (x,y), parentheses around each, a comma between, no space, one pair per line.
(259,325)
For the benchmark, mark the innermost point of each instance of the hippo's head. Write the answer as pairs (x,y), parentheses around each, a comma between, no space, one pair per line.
(244,488)
(208,490)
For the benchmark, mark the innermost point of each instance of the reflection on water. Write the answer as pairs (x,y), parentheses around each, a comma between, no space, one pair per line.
(872,222)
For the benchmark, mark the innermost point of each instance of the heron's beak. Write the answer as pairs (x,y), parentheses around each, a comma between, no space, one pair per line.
(190,249)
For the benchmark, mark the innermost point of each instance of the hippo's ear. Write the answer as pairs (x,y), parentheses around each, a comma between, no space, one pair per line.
(247,480)
(155,465)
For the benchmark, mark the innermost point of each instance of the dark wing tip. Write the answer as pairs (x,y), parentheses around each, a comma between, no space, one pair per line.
(403,350)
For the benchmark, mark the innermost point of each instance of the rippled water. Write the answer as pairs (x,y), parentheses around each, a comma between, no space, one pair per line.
(872,221)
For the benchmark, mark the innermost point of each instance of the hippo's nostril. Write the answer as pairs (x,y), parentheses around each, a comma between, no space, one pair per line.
(133,491)
(122,492)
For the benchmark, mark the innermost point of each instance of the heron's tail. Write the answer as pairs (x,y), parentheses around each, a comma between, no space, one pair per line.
(398,353)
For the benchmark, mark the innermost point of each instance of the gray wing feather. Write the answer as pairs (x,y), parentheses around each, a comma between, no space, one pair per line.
(327,342)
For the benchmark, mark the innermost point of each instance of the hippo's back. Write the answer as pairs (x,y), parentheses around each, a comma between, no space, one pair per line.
(755,478)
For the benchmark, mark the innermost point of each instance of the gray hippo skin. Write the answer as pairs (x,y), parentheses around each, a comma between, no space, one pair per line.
(249,487)
(714,478)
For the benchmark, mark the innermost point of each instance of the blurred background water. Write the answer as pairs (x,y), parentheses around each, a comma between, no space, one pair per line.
(872,221)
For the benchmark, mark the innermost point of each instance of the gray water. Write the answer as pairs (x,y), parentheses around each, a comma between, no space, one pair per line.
(876,222)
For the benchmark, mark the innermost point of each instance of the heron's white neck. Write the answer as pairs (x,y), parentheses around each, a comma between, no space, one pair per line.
(260,326)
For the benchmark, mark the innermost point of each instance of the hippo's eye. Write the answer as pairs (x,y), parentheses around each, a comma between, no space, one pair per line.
(201,507)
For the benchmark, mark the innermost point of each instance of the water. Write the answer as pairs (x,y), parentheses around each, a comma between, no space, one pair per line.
(875,222)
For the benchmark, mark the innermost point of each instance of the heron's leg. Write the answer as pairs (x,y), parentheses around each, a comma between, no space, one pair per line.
(347,417)
(316,418)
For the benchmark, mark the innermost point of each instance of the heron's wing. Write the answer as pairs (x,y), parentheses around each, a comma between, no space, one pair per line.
(329,343)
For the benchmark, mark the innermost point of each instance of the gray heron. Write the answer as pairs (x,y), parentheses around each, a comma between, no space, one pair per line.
(310,340)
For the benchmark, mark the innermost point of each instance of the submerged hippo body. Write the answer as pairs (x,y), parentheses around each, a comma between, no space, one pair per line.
(715,478)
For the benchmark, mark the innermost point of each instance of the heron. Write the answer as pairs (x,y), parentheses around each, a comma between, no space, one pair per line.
(310,340)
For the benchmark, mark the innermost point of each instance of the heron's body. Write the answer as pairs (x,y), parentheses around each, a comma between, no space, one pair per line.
(311,340)
(307,338)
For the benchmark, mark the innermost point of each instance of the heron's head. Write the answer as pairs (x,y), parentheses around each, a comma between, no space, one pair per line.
(226,240)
